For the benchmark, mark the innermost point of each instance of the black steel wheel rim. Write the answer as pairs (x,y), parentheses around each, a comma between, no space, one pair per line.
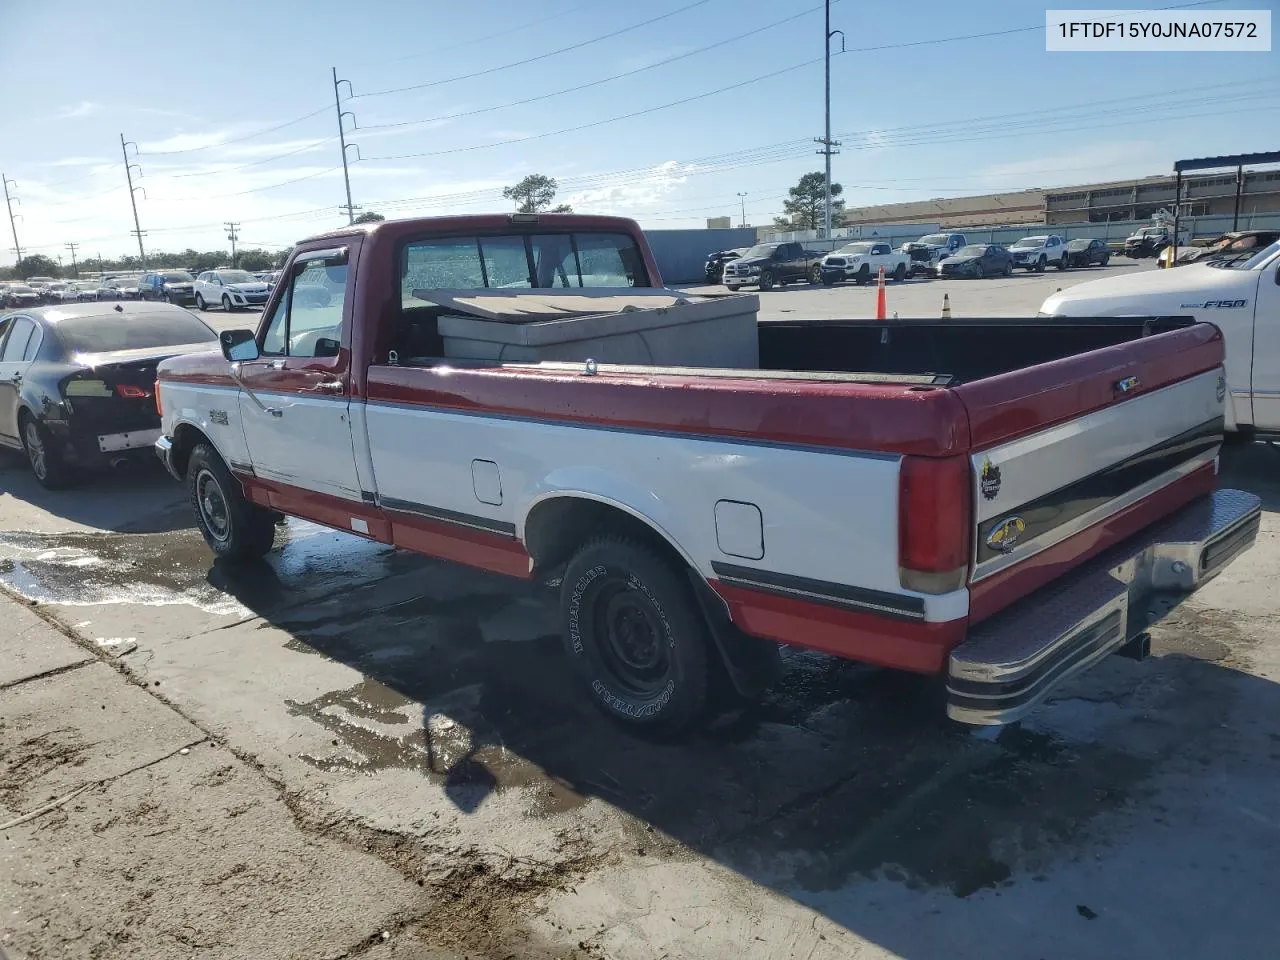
(630,636)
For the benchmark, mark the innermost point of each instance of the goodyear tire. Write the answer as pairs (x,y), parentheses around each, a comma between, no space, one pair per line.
(233,527)
(635,636)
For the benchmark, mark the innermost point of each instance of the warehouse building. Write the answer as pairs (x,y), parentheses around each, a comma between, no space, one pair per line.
(1096,203)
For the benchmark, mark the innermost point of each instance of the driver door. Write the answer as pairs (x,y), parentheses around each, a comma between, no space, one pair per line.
(294,405)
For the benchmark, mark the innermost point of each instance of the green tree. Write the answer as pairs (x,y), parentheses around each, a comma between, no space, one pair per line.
(256,261)
(804,204)
(369,217)
(534,194)
(38,265)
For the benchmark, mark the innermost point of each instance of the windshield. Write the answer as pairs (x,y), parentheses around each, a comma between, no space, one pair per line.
(100,335)
(179,276)
(236,276)
(935,239)
(764,250)
(854,249)
(87,285)
(970,251)
(20,288)
(1248,259)
(1030,242)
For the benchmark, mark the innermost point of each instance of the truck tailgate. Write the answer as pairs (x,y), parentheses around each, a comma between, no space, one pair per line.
(1073,456)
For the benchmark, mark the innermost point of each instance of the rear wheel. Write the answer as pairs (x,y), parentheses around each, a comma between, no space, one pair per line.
(1008,268)
(766,280)
(978,272)
(1062,264)
(635,635)
(46,463)
(815,274)
(234,528)
(1105,260)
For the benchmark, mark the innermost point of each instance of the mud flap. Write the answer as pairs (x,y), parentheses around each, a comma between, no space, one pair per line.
(751,663)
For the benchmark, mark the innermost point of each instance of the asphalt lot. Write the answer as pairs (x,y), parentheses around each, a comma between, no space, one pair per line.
(1018,295)
(411,751)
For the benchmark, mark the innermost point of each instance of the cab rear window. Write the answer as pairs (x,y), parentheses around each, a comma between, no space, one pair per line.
(520,262)
(104,334)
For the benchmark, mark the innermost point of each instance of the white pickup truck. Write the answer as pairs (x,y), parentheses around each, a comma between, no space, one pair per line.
(861,262)
(1240,295)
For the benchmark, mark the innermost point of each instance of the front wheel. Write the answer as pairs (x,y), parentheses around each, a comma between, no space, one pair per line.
(900,272)
(200,304)
(635,636)
(766,280)
(1041,264)
(1106,260)
(864,275)
(978,272)
(1062,264)
(234,528)
(226,303)
(733,287)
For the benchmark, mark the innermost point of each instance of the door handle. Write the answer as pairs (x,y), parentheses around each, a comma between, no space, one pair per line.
(16,378)
(274,411)
(331,386)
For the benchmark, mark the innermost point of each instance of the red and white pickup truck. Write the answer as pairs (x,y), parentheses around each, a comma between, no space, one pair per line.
(992,500)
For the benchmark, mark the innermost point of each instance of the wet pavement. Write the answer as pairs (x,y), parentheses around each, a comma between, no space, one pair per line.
(423,711)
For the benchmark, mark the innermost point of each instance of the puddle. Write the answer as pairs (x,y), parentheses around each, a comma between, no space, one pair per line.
(375,728)
(159,569)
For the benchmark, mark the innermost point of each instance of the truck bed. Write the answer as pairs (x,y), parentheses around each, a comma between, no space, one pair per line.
(947,352)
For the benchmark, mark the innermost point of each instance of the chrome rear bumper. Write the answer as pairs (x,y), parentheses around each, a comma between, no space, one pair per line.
(1011,662)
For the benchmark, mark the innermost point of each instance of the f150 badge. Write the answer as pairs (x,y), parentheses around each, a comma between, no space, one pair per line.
(1005,536)
(1214,305)
(989,480)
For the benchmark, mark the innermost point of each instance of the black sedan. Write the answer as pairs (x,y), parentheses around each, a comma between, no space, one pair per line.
(76,381)
(714,267)
(976,261)
(1085,253)
(20,295)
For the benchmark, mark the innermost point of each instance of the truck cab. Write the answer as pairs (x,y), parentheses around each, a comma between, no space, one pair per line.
(1239,294)
(767,265)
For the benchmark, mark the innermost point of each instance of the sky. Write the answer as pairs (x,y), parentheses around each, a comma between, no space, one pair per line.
(664,111)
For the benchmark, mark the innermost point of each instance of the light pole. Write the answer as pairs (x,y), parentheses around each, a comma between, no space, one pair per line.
(743,198)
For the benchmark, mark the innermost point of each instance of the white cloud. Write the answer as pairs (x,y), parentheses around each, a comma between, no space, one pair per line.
(1115,160)
(85,108)
(77,162)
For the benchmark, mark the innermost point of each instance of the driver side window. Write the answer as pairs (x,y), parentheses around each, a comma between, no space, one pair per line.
(307,319)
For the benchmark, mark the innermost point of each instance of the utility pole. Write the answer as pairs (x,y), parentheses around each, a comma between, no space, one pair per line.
(828,145)
(232,236)
(75,268)
(743,198)
(133,199)
(13,223)
(342,140)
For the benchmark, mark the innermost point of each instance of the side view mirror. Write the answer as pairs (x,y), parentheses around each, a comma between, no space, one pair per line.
(238,346)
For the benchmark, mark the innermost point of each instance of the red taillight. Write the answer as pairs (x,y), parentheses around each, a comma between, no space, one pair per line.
(935,516)
(159,405)
(130,392)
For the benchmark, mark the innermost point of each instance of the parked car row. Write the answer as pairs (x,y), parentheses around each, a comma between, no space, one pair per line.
(768,265)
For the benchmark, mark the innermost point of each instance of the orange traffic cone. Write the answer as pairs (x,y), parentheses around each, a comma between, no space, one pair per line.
(882,310)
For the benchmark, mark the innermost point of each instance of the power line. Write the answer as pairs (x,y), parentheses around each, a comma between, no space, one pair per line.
(542,56)
(596,83)
(232,140)
(256,163)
